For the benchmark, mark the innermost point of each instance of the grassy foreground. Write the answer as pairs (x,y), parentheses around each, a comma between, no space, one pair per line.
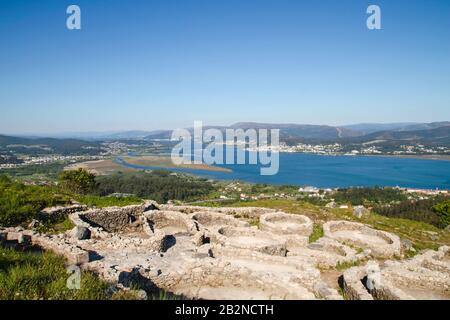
(32,276)
(43,276)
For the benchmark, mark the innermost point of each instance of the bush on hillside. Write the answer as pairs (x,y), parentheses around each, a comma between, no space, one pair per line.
(427,210)
(369,196)
(443,211)
(79,181)
(20,203)
(160,186)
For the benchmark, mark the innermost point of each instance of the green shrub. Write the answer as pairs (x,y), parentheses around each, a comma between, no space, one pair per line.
(317,233)
(79,181)
(426,210)
(160,186)
(19,203)
(443,211)
(55,227)
(102,202)
(369,196)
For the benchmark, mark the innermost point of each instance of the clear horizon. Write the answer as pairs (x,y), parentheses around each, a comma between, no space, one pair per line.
(164,64)
(87,132)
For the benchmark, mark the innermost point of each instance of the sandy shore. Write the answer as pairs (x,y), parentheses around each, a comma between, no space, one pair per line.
(103,167)
(442,157)
(166,162)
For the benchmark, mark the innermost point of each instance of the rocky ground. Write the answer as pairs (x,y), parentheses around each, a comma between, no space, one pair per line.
(215,253)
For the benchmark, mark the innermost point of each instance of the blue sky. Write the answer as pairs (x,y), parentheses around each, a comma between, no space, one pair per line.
(163,64)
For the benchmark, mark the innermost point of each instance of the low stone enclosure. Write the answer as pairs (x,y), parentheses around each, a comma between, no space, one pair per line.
(425,276)
(380,244)
(219,253)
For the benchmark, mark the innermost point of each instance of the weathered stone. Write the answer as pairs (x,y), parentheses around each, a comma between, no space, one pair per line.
(199,238)
(322,290)
(331,204)
(34,224)
(141,295)
(373,280)
(407,245)
(56,213)
(19,237)
(80,233)
(360,211)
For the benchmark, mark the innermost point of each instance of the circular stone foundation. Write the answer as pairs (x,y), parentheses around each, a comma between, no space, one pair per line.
(171,222)
(214,219)
(286,224)
(382,244)
(252,239)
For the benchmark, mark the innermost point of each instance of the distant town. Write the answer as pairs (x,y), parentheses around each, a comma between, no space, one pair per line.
(339,149)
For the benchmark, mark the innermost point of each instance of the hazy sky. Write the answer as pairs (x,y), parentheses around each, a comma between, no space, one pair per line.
(163,64)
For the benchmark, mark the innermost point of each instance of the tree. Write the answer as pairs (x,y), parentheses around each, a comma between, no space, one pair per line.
(4,179)
(78,181)
(443,210)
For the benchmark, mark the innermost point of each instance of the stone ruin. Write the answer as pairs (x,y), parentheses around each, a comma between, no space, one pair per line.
(219,253)
(425,276)
(380,244)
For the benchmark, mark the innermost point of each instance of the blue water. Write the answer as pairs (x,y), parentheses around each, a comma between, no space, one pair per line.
(337,171)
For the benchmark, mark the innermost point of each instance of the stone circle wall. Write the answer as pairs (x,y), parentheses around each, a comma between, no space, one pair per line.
(381,244)
(211,219)
(286,224)
(116,219)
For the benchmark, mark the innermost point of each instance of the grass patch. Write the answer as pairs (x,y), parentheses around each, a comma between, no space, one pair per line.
(20,203)
(125,295)
(31,276)
(58,227)
(43,276)
(341,266)
(317,233)
(164,295)
(252,221)
(103,202)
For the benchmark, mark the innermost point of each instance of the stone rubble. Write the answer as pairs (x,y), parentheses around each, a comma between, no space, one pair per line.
(425,276)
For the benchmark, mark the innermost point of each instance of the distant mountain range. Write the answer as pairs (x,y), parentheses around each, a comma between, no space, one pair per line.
(93,136)
(431,136)
(287,131)
(429,133)
(395,133)
(367,128)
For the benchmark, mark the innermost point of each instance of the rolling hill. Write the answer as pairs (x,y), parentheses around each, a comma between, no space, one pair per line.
(48,145)
(435,136)
(429,133)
